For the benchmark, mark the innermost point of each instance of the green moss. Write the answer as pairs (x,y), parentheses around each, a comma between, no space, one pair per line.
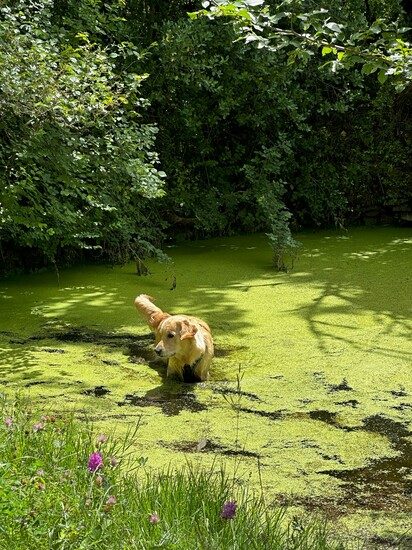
(321,350)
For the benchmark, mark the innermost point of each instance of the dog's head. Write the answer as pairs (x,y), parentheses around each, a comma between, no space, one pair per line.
(177,337)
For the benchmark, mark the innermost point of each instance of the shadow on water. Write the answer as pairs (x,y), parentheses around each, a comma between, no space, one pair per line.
(170,396)
(354,275)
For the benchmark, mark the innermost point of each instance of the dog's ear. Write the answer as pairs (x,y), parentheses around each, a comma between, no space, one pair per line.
(188,330)
(157,318)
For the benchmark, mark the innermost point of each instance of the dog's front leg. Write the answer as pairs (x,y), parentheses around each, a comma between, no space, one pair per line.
(175,368)
(201,370)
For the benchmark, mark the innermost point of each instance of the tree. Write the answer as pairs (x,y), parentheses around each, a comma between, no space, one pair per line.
(78,166)
(378,47)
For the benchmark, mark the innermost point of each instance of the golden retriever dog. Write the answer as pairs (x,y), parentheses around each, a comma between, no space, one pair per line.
(184,341)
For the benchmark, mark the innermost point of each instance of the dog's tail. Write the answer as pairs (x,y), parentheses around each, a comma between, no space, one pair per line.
(153,314)
(147,308)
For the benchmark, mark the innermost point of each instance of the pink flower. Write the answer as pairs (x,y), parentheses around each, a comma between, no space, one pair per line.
(228,510)
(8,421)
(95,462)
(154,518)
(102,438)
(38,426)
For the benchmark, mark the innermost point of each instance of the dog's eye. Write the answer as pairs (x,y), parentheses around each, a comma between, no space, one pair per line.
(170,334)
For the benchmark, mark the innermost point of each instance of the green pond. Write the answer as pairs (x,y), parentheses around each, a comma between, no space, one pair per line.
(310,390)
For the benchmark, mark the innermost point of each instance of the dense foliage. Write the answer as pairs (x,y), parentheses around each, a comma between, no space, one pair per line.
(78,165)
(252,134)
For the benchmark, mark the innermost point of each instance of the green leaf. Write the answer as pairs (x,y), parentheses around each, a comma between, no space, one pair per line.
(382,76)
(334,27)
(370,67)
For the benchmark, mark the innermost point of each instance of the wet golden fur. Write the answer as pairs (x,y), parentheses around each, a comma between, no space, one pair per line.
(182,340)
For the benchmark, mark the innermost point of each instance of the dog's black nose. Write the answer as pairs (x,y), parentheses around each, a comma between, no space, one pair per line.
(158,351)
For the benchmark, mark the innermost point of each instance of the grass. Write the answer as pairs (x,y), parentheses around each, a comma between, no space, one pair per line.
(50,499)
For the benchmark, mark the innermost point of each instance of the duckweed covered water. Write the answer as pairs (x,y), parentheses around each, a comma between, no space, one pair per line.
(322,414)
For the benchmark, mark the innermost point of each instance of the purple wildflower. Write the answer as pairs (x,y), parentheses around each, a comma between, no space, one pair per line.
(95,462)
(154,518)
(8,421)
(228,510)
(102,438)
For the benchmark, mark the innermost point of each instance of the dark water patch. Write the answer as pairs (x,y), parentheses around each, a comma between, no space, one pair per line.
(99,337)
(331,507)
(306,401)
(170,402)
(402,407)
(23,341)
(309,444)
(399,393)
(343,386)
(132,345)
(349,403)
(335,458)
(324,416)
(385,483)
(232,391)
(273,415)
(97,391)
(35,383)
(207,446)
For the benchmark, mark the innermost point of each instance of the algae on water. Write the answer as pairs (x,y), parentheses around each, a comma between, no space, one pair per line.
(324,404)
